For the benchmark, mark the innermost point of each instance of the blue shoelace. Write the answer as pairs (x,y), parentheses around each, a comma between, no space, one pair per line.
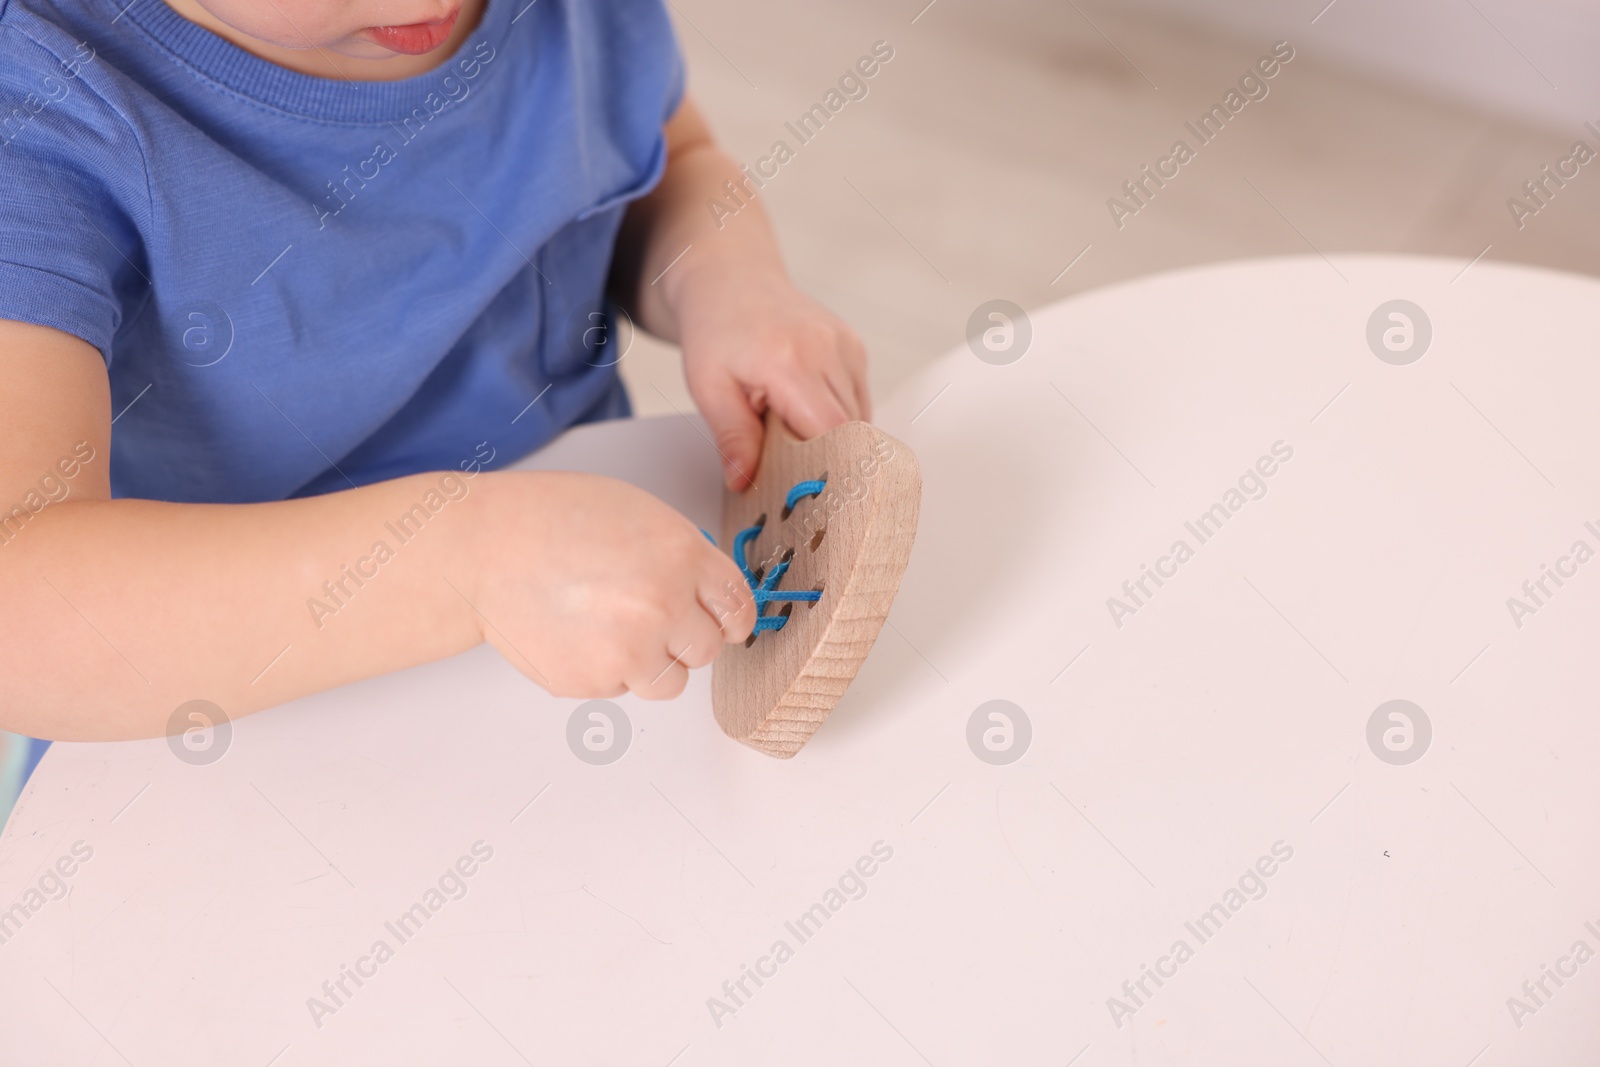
(764,589)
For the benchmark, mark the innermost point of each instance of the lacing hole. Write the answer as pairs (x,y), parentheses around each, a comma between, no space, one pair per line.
(815,589)
(751,639)
(787,510)
(816,539)
(788,554)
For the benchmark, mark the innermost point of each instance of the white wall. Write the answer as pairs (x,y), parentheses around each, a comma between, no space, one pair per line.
(1450,47)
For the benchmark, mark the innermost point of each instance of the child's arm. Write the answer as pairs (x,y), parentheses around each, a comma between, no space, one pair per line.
(118,611)
(750,338)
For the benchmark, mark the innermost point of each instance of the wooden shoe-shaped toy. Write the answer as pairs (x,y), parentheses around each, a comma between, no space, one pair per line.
(823,538)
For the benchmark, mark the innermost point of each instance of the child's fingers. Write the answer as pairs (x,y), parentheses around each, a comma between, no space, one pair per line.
(728,604)
(844,391)
(856,360)
(735,426)
(808,404)
(664,684)
(573,685)
(696,640)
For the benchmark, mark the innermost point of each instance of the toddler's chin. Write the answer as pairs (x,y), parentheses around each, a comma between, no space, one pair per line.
(353,46)
(359,47)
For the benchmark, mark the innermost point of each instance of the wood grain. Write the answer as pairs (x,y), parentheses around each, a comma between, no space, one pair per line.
(853,542)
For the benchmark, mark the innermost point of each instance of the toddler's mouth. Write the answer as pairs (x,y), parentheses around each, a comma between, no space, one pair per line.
(417,38)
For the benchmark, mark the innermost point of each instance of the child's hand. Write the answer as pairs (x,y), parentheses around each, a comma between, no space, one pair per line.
(593,587)
(752,340)
(717,286)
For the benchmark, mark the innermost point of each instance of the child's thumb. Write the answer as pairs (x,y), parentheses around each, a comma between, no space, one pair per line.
(735,428)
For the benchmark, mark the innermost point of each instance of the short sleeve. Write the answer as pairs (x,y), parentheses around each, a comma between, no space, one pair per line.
(678,79)
(72,184)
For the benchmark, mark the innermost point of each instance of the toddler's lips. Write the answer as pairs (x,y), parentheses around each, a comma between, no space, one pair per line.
(415,39)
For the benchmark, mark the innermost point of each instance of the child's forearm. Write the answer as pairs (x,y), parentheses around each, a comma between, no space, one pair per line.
(118,611)
(672,234)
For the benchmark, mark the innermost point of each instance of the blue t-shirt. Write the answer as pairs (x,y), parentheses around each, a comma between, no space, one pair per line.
(301,283)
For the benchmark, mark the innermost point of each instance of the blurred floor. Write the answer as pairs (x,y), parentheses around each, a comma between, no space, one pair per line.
(980,162)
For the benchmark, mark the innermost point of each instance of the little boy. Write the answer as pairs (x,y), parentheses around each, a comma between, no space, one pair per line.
(308,254)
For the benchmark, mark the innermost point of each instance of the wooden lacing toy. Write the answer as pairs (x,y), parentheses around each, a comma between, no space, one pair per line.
(823,537)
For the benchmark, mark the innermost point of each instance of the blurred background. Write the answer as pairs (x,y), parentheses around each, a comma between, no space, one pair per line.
(980,162)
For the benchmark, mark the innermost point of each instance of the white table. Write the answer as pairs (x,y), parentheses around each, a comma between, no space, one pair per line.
(1167,757)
